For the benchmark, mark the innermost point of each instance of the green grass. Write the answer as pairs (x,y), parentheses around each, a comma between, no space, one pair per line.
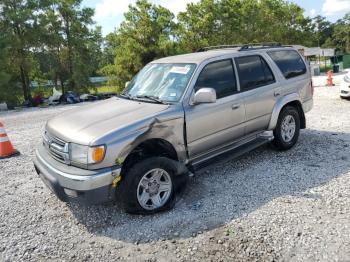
(105,89)
(42,91)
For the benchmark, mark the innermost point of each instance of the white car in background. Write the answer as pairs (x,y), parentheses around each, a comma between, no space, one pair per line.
(345,86)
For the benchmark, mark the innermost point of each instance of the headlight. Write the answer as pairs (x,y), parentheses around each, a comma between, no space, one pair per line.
(347,78)
(86,155)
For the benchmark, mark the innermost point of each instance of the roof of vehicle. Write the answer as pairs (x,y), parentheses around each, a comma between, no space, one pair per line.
(196,58)
(199,57)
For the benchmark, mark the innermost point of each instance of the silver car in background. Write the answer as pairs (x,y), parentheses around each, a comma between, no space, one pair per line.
(176,115)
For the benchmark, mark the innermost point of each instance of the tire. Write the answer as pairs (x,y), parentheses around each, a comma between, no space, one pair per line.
(285,138)
(141,182)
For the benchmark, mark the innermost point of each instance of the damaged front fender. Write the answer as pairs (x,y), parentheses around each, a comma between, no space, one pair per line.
(167,125)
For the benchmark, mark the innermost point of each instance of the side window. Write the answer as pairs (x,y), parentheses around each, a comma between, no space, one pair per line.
(253,72)
(220,76)
(289,62)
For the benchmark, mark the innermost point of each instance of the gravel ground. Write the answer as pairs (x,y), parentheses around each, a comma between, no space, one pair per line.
(266,205)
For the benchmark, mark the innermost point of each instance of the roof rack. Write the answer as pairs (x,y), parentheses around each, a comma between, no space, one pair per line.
(207,48)
(244,47)
(260,46)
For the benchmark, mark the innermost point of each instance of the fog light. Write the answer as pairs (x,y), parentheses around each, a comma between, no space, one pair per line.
(70,192)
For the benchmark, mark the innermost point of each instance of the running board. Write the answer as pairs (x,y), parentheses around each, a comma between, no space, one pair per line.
(231,152)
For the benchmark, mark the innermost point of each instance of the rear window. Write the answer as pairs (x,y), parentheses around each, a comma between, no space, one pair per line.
(289,62)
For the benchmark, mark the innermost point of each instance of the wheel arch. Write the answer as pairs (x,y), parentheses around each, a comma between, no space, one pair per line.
(289,100)
(151,147)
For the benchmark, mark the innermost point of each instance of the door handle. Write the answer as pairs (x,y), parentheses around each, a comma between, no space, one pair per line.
(235,106)
(276,94)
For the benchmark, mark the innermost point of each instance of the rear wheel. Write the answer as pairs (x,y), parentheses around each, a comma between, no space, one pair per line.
(287,129)
(149,186)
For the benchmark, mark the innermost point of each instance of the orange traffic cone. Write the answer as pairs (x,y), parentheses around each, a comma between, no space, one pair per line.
(329,78)
(6,148)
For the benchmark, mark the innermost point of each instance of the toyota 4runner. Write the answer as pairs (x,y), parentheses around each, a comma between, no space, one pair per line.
(174,116)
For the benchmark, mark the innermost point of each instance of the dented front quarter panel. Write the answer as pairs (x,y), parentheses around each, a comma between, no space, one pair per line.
(167,125)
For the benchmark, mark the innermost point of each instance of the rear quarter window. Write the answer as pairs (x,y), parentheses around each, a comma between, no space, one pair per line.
(289,62)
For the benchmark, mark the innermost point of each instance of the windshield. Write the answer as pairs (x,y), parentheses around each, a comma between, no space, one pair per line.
(165,82)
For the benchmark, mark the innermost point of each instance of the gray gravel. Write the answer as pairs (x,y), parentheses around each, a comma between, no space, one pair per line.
(264,206)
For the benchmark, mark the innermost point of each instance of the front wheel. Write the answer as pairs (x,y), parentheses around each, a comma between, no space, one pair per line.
(149,186)
(287,129)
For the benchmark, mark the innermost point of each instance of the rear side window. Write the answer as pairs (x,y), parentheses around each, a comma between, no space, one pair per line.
(253,72)
(220,76)
(289,62)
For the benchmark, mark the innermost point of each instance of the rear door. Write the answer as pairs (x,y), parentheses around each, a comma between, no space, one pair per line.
(211,125)
(259,88)
(295,75)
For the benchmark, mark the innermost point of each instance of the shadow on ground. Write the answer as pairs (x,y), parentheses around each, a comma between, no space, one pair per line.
(230,189)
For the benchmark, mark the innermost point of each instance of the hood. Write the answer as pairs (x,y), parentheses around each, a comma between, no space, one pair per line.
(87,123)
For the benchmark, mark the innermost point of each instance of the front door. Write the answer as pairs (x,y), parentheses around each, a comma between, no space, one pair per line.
(211,125)
(259,87)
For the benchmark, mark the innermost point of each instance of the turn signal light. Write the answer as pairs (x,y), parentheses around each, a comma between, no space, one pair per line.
(98,154)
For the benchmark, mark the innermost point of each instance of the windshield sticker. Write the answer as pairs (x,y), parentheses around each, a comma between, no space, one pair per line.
(172,94)
(180,70)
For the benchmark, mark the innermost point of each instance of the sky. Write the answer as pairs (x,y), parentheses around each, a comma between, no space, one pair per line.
(109,13)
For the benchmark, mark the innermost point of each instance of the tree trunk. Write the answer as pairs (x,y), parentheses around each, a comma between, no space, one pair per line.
(62,85)
(55,81)
(25,83)
(22,67)
(71,83)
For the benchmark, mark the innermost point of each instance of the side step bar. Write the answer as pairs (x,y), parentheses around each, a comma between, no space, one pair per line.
(233,152)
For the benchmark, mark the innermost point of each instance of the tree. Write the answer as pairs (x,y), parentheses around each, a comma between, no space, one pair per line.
(199,25)
(20,20)
(73,49)
(4,75)
(211,22)
(110,44)
(323,29)
(9,89)
(145,34)
(51,57)
(341,34)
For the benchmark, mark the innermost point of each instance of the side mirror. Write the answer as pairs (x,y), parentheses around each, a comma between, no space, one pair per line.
(127,83)
(204,95)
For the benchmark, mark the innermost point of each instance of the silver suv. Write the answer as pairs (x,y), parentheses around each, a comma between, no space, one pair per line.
(174,116)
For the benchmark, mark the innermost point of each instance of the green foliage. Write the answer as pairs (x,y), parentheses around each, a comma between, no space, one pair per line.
(145,34)
(105,89)
(56,40)
(9,89)
(73,47)
(212,22)
(20,21)
(341,34)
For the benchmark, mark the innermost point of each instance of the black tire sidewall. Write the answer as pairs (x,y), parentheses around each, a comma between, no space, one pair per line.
(279,141)
(132,177)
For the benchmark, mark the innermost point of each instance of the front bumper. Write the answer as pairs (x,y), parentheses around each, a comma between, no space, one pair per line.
(75,184)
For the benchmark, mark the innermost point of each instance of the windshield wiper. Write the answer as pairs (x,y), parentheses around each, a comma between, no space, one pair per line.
(125,95)
(153,98)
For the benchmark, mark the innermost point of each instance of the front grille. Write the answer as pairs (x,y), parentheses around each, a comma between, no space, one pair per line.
(57,148)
